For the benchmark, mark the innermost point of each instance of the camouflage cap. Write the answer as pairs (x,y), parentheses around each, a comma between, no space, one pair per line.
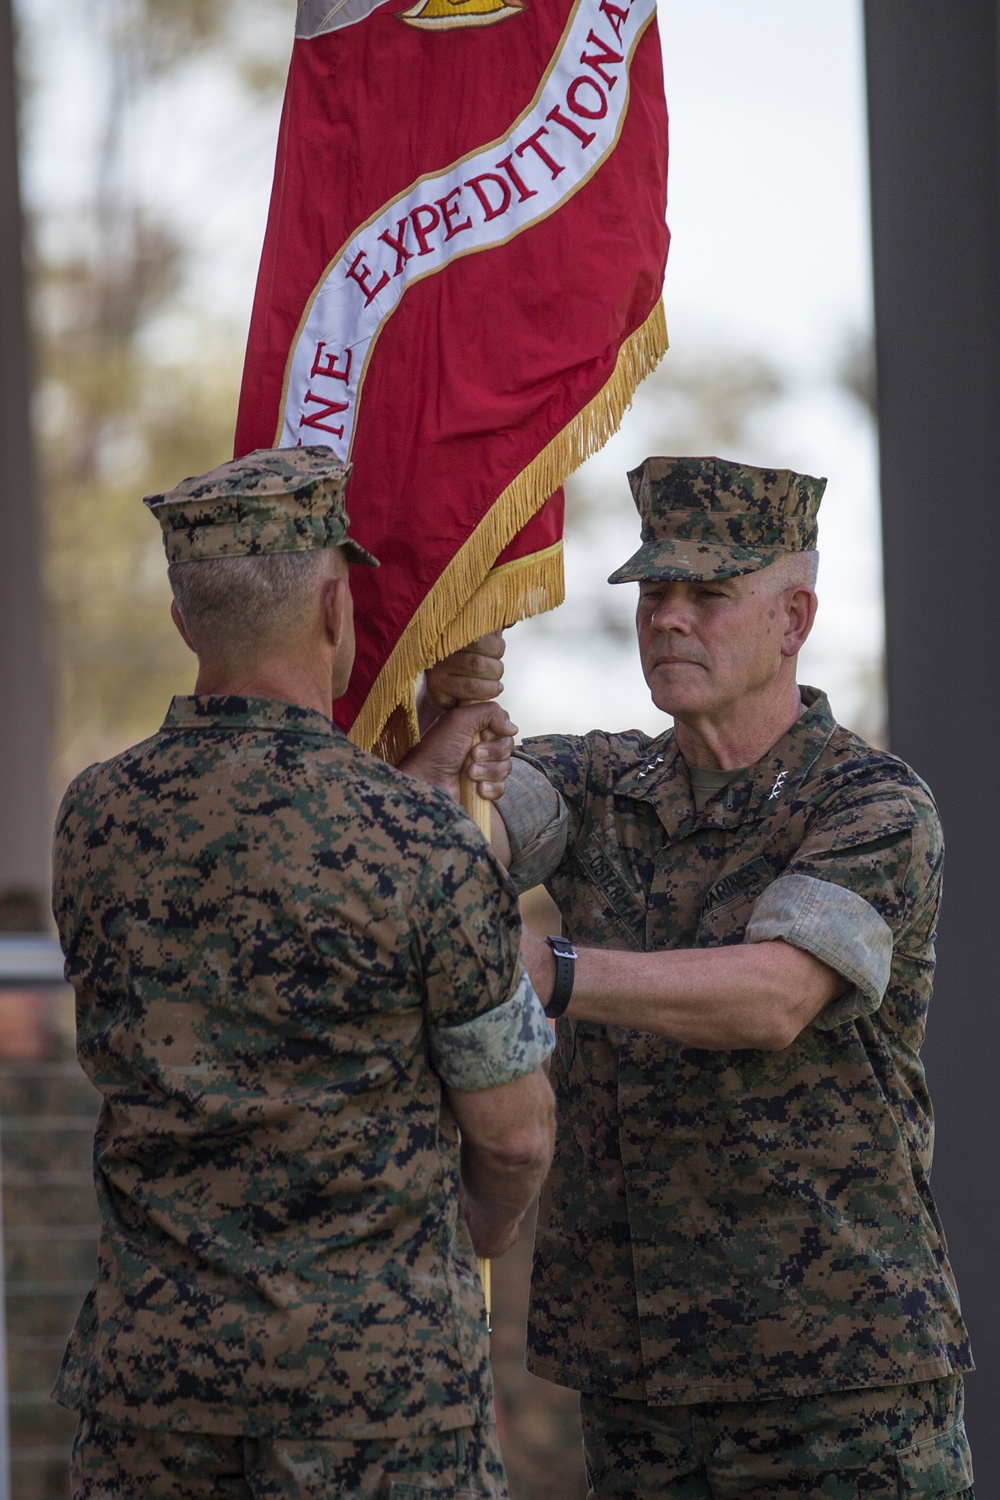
(707,518)
(273,500)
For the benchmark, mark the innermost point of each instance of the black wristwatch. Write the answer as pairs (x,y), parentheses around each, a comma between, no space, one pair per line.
(565,956)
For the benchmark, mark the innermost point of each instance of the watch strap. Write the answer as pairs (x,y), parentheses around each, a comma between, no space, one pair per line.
(565,957)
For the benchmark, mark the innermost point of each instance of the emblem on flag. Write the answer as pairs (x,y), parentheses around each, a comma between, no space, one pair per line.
(445,15)
(459,291)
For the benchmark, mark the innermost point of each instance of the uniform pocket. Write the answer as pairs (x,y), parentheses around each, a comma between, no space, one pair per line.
(940,1468)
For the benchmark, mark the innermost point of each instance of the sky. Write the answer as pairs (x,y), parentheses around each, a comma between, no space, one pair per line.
(768,173)
(769,259)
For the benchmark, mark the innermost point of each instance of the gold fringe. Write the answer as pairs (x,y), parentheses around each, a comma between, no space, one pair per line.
(527,586)
(400,731)
(458,607)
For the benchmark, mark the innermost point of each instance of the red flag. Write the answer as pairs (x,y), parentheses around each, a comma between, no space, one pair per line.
(459,291)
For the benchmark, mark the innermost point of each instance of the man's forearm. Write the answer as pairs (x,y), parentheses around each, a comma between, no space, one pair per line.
(499,841)
(502,1188)
(754,995)
(507,1139)
(496,1196)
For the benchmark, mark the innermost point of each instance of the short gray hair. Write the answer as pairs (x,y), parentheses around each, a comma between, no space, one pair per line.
(231,603)
(795,569)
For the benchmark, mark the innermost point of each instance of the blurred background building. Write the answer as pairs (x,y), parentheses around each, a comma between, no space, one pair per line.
(147,131)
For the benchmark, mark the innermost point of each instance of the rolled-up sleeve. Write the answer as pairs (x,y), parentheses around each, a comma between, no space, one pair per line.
(838,927)
(484,1023)
(537,823)
(505,1043)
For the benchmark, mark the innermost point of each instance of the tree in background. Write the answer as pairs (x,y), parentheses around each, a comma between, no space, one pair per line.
(115,416)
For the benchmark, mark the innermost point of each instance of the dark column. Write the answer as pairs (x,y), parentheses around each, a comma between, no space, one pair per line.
(934,116)
(24,741)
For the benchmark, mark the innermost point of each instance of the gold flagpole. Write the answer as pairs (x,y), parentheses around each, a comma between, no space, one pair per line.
(480,811)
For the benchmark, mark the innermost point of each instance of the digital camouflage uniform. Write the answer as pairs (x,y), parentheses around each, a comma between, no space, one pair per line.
(722,1229)
(284,952)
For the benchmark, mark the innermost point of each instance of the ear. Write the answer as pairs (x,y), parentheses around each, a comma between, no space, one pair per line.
(336,607)
(175,615)
(800,609)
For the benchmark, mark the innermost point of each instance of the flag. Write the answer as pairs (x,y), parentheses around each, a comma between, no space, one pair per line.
(459,291)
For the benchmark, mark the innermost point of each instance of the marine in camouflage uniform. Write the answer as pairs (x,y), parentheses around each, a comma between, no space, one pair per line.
(289,959)
(738,1260)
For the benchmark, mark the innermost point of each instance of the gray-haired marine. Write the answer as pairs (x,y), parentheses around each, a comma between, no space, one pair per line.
(298,977)
(738,1260)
